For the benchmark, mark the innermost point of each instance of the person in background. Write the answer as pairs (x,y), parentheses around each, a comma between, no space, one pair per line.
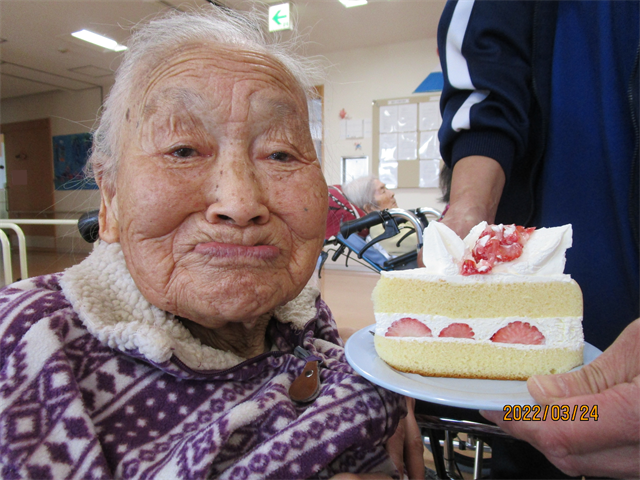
(370,194)
(540,126)
(187,345)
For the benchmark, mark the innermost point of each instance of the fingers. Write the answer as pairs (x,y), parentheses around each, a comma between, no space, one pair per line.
(413,447)
(605,420)
(395,446)
(405,447)
(573,445)
(619,462)
(549,389)
(620,363)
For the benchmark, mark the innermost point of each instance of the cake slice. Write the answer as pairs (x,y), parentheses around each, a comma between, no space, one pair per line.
(478,310)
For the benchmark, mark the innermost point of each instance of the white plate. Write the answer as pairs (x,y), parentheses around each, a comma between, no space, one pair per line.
(456,392)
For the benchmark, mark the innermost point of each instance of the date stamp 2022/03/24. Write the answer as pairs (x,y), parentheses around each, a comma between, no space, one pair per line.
(537,413)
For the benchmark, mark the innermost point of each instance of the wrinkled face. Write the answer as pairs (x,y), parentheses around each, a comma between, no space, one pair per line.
(219,203)
(383,197)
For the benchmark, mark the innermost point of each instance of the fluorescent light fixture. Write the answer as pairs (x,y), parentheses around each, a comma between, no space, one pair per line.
(99,40)
(353,3)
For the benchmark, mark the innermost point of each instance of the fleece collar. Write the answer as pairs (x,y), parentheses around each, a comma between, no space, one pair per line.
(108,302)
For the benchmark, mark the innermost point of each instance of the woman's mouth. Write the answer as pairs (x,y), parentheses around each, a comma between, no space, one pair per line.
(230,250)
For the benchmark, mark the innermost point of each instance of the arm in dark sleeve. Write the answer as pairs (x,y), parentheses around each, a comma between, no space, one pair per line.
(485,51)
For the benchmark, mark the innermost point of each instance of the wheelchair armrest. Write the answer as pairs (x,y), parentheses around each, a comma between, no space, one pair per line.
(464,426)
(401,260)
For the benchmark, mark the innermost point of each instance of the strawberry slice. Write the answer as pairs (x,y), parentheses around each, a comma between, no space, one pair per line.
(469,267)
(457,330)
(496,244)
(519,332)
(408,327)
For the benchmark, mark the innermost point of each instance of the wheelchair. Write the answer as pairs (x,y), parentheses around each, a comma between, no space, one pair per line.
(367,252)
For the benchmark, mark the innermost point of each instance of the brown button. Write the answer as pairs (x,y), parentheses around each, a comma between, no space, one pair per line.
(306,387)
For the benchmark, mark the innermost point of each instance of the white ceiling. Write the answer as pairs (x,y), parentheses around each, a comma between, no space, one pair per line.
(39,55)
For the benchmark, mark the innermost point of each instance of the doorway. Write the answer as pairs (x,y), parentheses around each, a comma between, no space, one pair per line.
(29,173)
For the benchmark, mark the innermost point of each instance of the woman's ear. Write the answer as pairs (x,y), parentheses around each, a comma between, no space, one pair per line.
(368,208)
(108,216)
(108,220)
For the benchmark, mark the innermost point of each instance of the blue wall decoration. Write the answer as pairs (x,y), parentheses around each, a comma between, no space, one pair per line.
(70,155)
(433,83)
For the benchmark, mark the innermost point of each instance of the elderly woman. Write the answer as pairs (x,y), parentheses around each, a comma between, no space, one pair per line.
(370,194)
(186,345)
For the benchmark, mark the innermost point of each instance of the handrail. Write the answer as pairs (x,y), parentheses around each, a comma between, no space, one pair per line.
(22,247)
(30,221)
(22,244)
(6,258)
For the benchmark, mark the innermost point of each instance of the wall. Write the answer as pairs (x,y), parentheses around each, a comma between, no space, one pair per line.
(70,112)
(356,79)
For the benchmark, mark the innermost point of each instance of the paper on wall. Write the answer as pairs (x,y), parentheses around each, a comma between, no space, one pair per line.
(368,128)
(389,119)
(430,118)
(407,146)
(429,173)
(388,174)
(355,128)
(388,147)
(408,117)
(429,145)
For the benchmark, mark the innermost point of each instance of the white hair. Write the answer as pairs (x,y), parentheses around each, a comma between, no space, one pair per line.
(148,47)
(361,191)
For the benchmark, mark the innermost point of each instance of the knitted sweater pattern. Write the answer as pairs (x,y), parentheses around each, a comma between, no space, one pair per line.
(95,382)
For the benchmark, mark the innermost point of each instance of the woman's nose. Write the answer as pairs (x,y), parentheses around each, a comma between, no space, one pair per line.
(238,196)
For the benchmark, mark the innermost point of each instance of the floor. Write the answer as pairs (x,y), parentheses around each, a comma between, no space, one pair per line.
(40,263)
(348,294)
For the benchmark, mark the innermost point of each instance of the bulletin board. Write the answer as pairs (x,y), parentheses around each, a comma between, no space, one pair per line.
(406,151)
(70,155)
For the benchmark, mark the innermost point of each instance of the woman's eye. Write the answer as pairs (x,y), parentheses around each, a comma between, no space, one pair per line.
(184,152)
(280,157)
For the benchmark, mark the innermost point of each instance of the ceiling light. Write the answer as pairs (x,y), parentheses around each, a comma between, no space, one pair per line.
(353,3)
(99,40)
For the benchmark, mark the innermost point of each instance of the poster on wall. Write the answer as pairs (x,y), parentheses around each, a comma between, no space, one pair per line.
(70,155)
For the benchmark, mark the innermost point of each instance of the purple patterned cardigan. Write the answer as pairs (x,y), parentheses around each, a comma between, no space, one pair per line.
(95,382)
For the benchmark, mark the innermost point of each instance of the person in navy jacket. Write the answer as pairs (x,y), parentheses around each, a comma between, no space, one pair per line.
(540,127)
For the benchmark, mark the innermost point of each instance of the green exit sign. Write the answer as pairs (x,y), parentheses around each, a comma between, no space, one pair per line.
(279,17)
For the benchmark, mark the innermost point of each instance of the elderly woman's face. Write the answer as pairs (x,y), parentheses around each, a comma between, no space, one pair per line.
(384,198)
(220,204)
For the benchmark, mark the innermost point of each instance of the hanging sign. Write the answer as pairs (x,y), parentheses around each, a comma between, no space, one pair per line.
(279,17)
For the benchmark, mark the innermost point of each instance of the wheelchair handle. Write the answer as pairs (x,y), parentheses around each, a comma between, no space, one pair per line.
(411,218)
(429,211)
(353,226)
(88,226)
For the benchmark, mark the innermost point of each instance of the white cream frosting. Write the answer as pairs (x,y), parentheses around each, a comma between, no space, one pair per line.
(543,254)
(560,332)
(542,260)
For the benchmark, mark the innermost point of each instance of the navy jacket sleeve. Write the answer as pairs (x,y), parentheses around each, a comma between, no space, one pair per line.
(485,49)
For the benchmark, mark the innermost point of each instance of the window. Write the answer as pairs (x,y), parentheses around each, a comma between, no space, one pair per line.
(352,168)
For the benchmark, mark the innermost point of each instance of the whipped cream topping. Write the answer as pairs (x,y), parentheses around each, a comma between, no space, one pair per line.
(562,332)
(543,254)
